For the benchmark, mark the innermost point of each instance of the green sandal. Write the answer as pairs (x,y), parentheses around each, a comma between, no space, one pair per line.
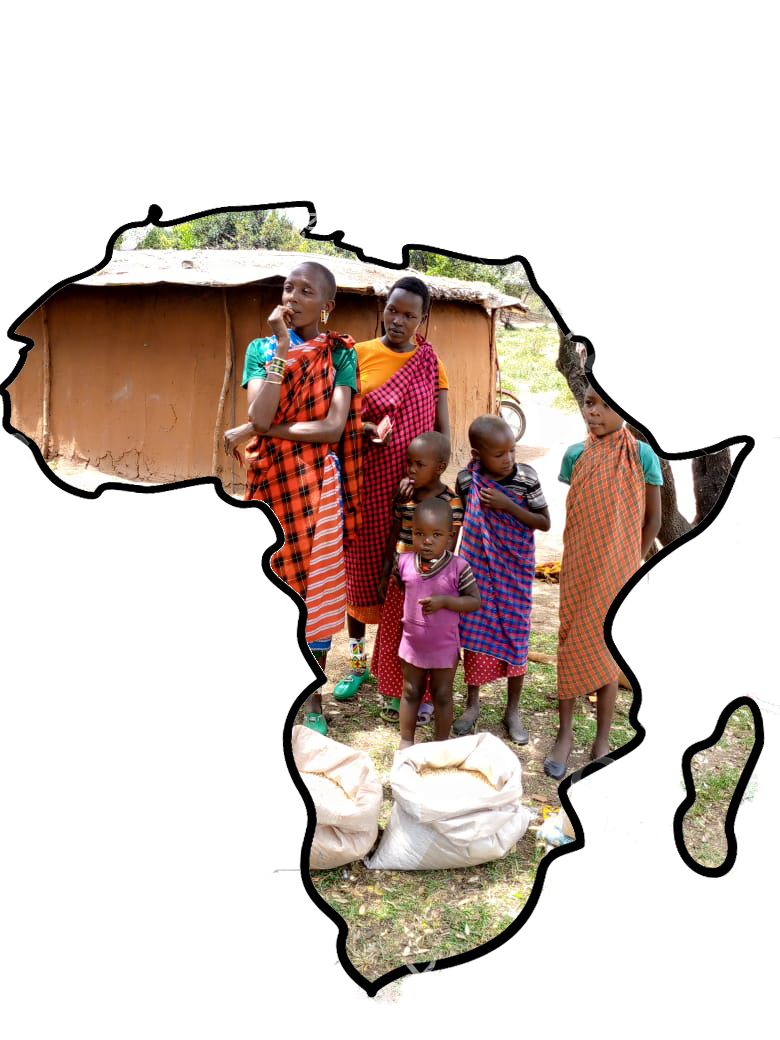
(391,713)
(348,688)
(248,723)
(313,720)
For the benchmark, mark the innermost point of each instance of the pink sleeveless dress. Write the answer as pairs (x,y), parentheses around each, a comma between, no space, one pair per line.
(429,640)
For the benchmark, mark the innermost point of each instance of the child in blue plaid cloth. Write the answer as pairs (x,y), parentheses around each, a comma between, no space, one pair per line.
(504,505)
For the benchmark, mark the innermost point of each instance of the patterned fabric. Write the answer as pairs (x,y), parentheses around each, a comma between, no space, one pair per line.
(357,656)
(409,399)
(326,591)
(651,464)
(385,664)
(501,552)
(289,475)
(479,669)
(602,545)
(260,351)
(378,364)
(523,480)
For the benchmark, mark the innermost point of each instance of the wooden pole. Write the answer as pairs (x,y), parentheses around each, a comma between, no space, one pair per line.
(225,384)
(46,383)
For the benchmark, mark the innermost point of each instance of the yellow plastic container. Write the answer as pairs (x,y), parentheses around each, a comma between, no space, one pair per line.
(619,884)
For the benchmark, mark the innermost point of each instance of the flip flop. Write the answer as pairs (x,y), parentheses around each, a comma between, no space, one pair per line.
(424,713)
(313,720)
(392,713)
(248,723)
(346,689)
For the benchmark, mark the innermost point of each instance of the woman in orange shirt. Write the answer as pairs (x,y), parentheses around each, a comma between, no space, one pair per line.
(401,380)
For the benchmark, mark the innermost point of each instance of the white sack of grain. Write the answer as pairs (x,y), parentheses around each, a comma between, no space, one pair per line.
(347,796)
(456,804)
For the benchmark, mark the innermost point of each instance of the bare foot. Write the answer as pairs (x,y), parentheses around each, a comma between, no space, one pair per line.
(518,734)
(561,749)
(313,704)
(466,721)
(405,744)
(600,749)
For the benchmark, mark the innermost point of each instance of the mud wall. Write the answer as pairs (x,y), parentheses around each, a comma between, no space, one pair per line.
(136,372)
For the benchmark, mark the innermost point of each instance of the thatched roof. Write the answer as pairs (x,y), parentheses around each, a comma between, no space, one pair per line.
(226,267)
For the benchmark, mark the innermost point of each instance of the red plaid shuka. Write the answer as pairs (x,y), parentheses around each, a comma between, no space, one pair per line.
(409,399)
(288,475)
(602,546)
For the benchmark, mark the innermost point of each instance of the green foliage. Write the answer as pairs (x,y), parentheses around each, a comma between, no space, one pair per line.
(264,229)
(527,358)
(490,232)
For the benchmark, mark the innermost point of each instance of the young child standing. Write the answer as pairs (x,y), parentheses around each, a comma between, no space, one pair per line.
(613,514)
(304,456)
(438,589)
(504,506)
(426,459)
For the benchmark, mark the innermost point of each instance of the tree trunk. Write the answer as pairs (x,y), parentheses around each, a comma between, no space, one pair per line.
(655,577)
(710,473)
(569,364)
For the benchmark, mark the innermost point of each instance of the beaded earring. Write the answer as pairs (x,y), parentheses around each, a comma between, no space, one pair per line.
(324,316)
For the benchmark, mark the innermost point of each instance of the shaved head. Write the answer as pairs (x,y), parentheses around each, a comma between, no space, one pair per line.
(322,275)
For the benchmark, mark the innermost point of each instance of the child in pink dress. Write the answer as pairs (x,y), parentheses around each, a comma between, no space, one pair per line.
(438,588)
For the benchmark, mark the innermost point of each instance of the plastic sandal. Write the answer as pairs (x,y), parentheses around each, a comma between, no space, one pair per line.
(424,713)
(248,723)
(391,713)
(313,720)
(346,689)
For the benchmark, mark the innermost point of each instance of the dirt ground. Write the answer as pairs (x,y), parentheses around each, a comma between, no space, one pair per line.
(395,916)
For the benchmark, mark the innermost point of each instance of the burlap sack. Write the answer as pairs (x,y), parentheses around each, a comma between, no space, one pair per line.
(347,796)
(453,819)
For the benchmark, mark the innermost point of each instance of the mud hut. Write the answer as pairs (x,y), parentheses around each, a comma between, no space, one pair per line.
(136,370)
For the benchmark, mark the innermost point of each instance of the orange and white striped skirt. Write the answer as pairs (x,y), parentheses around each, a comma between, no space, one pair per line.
(326,601)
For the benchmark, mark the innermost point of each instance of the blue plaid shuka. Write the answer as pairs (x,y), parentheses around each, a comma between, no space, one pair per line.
(502,555)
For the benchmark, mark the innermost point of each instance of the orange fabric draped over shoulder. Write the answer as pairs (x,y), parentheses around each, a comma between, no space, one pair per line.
(602,545)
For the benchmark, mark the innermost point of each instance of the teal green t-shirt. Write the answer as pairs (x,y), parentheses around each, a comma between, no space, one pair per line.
(648,458)
(260,351)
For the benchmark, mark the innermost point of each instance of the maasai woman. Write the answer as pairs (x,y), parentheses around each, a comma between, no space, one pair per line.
(303,398)
(401,379)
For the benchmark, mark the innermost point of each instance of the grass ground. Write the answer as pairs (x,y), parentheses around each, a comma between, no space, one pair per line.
(527,358)
(397,916)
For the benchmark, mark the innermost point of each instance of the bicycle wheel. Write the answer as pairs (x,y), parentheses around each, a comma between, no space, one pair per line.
(512,414)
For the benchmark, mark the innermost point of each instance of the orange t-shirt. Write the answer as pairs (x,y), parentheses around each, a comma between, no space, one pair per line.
(378,363)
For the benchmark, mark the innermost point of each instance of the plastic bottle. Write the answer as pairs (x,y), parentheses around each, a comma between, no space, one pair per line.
(619,884)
